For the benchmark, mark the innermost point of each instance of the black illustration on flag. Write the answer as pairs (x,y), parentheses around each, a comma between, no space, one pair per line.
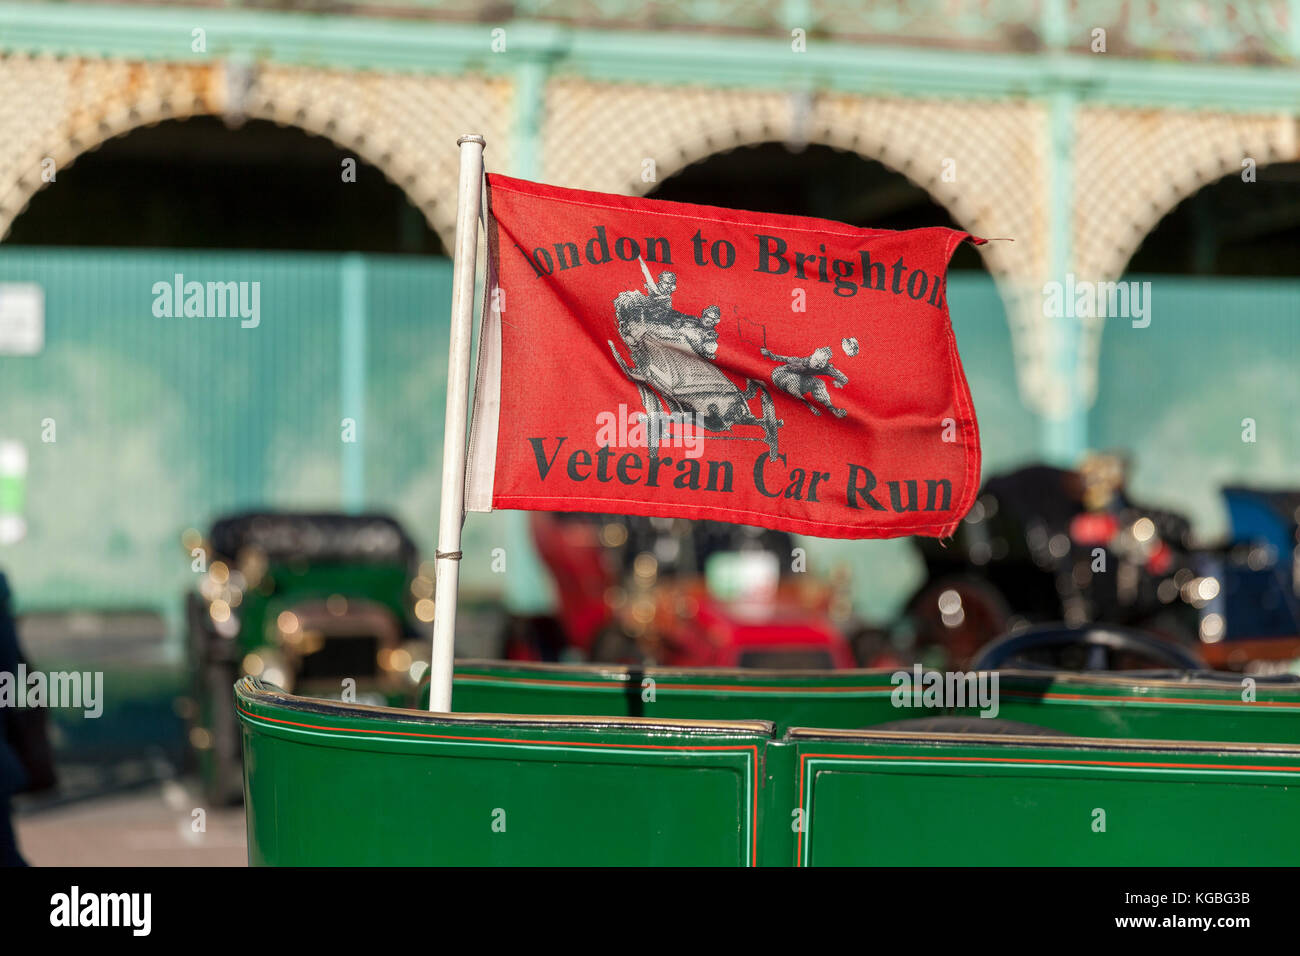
(799,375)
(673,368)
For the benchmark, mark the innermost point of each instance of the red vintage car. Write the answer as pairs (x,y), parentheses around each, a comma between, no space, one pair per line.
(681,593)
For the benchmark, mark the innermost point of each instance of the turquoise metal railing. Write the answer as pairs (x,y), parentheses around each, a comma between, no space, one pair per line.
(161,424)
(138,426)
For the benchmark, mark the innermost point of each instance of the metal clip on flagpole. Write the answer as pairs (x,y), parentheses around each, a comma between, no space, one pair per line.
(451,512)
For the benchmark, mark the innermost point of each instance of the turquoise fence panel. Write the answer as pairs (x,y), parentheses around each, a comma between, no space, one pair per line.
(409,309)
(1178,394)
(140,423)
(162,422)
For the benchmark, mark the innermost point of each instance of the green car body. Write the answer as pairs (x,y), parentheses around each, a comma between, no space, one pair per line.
(674,767)
(1076,704)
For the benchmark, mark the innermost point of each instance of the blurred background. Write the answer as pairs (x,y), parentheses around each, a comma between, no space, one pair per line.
(184,499)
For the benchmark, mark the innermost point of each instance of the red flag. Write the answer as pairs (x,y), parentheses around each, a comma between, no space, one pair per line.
(658,358)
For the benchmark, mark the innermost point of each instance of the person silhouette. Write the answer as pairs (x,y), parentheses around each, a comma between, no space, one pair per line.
(799,376)
(13,775)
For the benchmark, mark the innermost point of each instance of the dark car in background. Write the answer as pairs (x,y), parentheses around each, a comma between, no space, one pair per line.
(1252,618)
(1053,545)
(326,605)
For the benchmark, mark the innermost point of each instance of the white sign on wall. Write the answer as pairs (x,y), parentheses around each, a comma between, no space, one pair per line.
(22,318)
(13,474)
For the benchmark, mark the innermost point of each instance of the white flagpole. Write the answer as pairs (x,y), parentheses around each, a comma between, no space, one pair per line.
(451,512)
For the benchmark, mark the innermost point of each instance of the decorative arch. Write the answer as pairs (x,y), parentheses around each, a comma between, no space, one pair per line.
(596,136)
(59,108)
(1132,167)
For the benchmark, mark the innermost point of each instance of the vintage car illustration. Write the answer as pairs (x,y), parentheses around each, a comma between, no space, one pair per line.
(672,366)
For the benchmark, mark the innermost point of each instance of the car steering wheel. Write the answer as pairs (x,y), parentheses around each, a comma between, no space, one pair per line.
(1102,646)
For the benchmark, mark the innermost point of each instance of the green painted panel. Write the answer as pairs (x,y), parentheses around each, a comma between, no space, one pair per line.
(881,803)
(844,699)
(778,834)
(334,785)
(1081,705)
(1134,709)
(328,783)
